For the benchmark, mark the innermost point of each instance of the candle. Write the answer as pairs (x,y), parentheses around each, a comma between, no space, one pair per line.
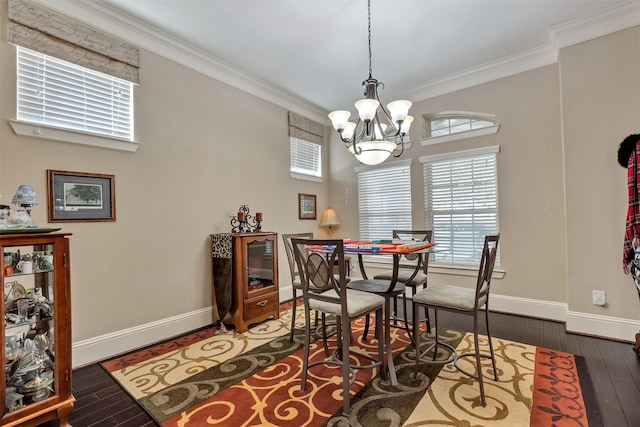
(258,216)
(240,216)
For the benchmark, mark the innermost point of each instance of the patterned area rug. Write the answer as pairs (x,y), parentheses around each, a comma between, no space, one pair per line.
(253,379)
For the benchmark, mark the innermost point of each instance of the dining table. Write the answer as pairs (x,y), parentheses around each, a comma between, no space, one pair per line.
(386,288)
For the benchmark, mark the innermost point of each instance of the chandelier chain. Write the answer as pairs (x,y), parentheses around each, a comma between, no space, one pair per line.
(369,30)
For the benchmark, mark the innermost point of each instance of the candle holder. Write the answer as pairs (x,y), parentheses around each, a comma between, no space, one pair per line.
(244,222)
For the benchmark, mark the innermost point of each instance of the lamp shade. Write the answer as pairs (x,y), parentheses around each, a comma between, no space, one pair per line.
(329,218)
(373,152)
(25,196)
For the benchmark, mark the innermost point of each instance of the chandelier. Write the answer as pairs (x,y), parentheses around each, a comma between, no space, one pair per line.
(370,140)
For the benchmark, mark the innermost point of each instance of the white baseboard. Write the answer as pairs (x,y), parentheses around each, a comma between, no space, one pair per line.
(104,346)
(575,322)
(108,345)
(602,326)
(549,310)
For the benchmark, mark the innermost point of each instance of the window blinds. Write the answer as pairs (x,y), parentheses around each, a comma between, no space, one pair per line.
(306,140)
(384,199)
(461,203)
(57,93)
(43,30)
(305,157)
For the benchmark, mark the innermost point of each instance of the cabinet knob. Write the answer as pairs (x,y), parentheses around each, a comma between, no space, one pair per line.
(262,303)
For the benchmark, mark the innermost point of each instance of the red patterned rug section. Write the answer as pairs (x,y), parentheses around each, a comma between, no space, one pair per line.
(557,393)
(272,397)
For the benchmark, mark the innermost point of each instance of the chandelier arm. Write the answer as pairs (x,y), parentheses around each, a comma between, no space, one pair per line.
(385,136)
(397,126)
(401,147)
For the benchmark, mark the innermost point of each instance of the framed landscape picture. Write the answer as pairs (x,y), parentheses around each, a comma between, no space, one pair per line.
(79,196)
(306,206)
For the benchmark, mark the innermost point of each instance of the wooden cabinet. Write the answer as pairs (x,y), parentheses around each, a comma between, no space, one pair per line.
(253,283)
(35,384)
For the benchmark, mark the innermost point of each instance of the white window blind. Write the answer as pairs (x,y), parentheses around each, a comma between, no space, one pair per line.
(305,157)
(384,199)
(461,203)
(61,94)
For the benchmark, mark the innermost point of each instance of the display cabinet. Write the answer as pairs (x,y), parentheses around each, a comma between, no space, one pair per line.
(252,286)
(35,385)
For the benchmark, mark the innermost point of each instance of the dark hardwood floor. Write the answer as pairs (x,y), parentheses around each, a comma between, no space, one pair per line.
(614,369)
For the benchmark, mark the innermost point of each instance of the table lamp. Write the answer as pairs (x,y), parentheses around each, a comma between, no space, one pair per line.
(329,219)
(25,197)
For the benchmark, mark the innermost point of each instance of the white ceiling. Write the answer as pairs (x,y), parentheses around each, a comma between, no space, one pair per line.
(315,51)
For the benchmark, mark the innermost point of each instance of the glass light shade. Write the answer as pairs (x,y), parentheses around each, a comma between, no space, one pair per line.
(347,133)
(399,109)
(404,129)
(329,218)
(25,196)
(339,119)
(373,152)
(367,108)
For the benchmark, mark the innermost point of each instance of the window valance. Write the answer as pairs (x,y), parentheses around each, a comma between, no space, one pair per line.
(302,128)
(46,31)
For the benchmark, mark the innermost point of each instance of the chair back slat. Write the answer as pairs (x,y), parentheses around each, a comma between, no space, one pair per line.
(487,263)
(316,268)
(288,248)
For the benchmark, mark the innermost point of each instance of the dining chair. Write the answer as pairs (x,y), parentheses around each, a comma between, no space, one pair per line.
(296,284)
(408,274)
(327,292)
(460,300)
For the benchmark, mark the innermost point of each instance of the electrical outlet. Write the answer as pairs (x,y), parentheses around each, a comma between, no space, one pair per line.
(599,298)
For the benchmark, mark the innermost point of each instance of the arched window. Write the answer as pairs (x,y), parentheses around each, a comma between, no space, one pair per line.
(451,125)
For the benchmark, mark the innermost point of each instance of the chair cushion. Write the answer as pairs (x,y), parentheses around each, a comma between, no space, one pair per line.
(376,286)
(358,303)
(403,276)
(447,296)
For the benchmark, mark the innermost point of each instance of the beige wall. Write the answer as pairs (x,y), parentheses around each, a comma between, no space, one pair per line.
(531,211)
(207,148)
(600,95)
(559,241)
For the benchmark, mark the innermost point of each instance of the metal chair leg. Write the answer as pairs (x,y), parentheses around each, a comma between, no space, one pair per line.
(293,315)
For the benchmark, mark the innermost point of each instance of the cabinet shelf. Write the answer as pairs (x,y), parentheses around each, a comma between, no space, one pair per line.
(35,384)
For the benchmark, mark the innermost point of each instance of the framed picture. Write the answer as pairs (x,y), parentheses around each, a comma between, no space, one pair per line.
(306,206)
(78,196)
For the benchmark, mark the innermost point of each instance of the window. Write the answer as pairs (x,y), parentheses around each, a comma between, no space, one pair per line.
(57,93)
(384,199)
(453,125)
(305,158)
(447,123)
(306,139)
(461,202)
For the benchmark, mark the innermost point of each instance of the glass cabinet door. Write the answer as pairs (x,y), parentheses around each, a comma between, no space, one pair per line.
(260,272)
(28,292)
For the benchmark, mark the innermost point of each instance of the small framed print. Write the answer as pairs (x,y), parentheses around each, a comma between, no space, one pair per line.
(79,196)
(306,206)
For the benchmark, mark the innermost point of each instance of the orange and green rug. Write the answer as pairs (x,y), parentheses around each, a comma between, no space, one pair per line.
(253,379)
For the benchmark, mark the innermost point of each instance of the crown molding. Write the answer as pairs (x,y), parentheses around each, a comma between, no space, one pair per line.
(112,21)
(505,67)
(108,19)
(596,25)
